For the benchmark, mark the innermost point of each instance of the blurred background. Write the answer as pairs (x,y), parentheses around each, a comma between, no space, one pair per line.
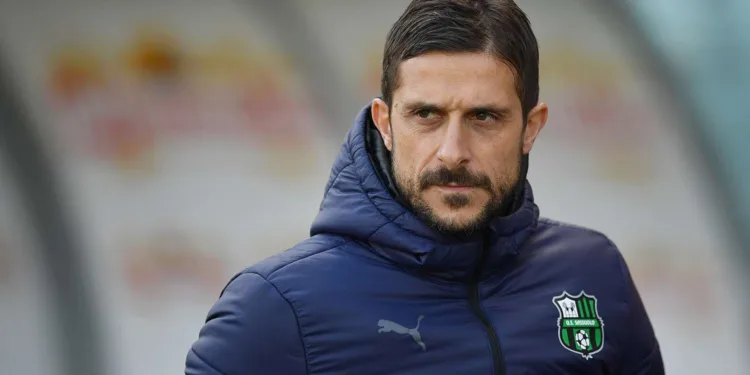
(151,150)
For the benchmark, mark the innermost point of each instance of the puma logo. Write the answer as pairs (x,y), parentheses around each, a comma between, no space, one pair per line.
(389,326)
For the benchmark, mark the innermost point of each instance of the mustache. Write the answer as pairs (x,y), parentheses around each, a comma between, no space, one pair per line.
(461,176)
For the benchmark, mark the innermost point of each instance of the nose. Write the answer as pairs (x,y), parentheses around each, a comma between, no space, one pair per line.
(454,147)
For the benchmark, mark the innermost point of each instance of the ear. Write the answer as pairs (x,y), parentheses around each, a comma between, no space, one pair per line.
(382,120)
(536,120)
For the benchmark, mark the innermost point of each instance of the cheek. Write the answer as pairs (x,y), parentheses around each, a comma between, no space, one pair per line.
(407,172)
(402,168)
(407,157)
(501,161)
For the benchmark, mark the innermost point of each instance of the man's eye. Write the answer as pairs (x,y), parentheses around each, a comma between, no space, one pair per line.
(484,116)
(424,113)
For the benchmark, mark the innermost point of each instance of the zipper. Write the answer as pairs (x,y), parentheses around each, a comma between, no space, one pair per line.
(474,302)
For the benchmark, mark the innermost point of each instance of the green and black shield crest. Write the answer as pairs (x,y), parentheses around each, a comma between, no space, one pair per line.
(580,329)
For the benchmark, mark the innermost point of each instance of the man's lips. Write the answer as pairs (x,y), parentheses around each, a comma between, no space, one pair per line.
(455,188)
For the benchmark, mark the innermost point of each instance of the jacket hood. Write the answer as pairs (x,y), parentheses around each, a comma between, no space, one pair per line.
(359,202)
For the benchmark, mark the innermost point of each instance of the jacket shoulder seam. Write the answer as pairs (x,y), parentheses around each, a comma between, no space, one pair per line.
(270,274)
(594,232)
(296,319)
(206,362)
(620,260)
(556,223)
(606,238)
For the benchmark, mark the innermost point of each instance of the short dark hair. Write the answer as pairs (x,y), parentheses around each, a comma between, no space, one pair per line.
(499,27)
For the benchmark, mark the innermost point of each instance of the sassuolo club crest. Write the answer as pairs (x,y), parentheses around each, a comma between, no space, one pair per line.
(580,328)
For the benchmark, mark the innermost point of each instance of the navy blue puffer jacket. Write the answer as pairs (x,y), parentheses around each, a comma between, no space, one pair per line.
(376,291)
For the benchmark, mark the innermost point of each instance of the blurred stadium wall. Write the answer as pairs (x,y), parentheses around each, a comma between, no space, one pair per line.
(150,150)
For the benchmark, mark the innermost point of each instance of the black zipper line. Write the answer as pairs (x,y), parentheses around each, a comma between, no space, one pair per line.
(474,298)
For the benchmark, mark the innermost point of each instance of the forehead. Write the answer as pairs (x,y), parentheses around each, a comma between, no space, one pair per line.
(456,80)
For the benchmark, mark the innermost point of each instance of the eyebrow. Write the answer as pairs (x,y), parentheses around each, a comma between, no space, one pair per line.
(410,107)
(501,112)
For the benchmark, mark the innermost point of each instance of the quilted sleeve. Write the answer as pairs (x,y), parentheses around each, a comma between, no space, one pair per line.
(251,329)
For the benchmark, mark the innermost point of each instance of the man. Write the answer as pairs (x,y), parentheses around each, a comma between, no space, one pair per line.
(428,255)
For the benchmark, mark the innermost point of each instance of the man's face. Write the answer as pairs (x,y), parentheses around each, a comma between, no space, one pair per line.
(456,134)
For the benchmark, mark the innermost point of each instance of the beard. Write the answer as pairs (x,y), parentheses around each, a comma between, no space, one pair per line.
(500,191)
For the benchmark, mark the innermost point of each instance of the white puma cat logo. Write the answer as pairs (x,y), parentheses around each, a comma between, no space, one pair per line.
(389,326)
